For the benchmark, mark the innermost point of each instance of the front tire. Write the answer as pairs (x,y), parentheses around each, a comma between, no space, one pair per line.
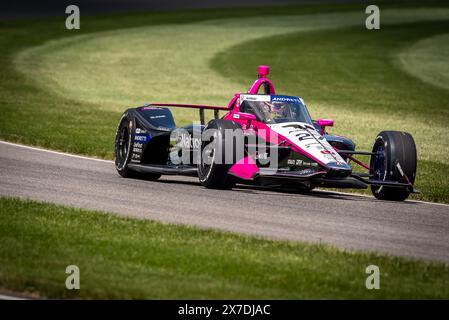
(212,166)
(394,150)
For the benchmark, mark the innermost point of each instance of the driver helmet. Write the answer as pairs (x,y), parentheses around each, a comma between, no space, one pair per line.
(278,109)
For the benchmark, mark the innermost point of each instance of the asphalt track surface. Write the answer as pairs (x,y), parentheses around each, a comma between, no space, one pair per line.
(411,228)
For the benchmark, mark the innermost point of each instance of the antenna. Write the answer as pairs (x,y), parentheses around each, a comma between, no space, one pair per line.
(263,71)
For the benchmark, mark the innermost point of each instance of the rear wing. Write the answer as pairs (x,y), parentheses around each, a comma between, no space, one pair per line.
(194,106)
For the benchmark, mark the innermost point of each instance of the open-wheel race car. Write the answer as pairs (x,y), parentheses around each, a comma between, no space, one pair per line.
(262,139)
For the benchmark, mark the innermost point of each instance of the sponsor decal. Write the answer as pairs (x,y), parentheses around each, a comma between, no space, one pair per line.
(306,171)
(284,99)
(151,108)
(141,138)
(310,140)
(141,131)
(186,141)
(254,97)
(136,156)
(138,150)
(310,164)
(301,163)
(331,155)
(158,117)
(251,98)
(269,98)
(398,165)
(138,144)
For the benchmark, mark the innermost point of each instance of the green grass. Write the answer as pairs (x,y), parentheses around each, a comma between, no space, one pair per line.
(128,258)
(426,60)
(65,90)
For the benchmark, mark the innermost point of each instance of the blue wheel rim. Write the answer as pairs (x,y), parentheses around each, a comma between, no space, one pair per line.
(379,167)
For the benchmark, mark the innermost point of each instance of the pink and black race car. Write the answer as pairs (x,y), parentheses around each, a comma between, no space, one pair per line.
(262,139)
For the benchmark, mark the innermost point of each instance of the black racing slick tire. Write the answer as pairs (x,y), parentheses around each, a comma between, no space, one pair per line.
(213,165)
(123,144)
(395,159)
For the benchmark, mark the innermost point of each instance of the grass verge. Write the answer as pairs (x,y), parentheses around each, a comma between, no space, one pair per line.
(137,259)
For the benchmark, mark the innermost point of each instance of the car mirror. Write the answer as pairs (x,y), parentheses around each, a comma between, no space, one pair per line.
(325,122)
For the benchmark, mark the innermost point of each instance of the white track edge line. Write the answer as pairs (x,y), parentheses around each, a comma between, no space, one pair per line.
(6,297)
(110,161)
(54,152)
(367,196)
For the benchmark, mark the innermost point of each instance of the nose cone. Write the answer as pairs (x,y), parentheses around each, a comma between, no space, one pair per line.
(339,169)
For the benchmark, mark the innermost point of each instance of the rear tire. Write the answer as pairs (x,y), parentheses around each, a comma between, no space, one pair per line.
(212,167)
(393,147)
(123,145)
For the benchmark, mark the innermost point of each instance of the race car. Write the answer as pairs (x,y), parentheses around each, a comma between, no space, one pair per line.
(262,139)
